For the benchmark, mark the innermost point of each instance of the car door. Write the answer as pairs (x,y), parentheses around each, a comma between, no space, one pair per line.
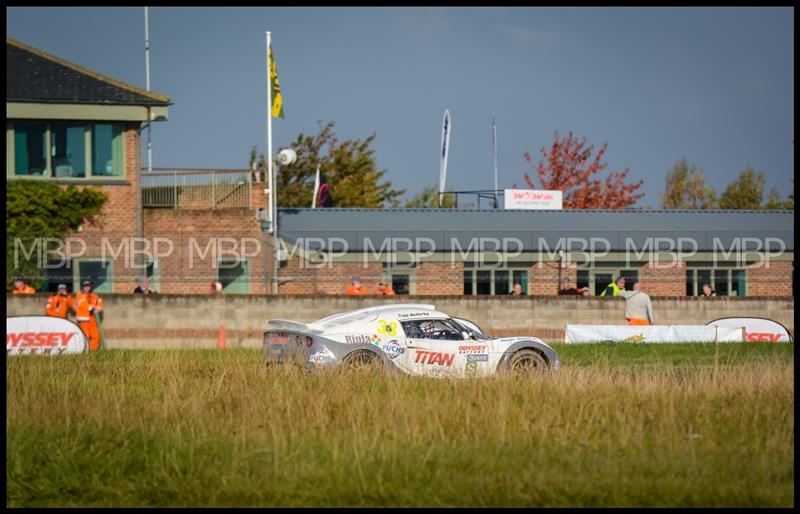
(432,348)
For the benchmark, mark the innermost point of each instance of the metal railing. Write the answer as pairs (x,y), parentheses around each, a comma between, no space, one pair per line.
(481,199)
(192,188)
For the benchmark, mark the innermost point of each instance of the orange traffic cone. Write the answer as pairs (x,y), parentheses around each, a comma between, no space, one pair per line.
(221,338)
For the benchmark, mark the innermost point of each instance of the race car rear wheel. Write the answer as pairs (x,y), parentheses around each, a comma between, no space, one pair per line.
(362,361)
(526,362)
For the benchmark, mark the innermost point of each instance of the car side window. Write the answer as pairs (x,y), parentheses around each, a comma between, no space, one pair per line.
(432,329)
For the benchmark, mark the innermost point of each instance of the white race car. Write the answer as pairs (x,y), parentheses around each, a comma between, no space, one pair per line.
(411,338)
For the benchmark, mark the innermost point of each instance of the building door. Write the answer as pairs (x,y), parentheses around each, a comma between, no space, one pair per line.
(234,275)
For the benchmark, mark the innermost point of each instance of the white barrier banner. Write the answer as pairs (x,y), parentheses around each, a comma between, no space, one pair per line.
(653,334)
(757,329)
(43,335)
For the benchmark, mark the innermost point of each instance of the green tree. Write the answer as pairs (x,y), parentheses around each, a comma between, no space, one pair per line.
(429,197)
(686,188)
(349,167)
(36,209)
(746,192)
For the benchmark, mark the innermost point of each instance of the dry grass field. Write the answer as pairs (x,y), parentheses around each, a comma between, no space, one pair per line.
(618,425)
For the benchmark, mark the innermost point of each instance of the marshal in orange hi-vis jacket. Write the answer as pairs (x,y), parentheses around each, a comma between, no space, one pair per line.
(87,305)
(59,304)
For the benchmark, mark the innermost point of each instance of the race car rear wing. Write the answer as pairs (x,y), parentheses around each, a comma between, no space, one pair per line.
(290,325)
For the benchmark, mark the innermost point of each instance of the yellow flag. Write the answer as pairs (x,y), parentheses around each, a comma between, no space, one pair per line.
(277,98)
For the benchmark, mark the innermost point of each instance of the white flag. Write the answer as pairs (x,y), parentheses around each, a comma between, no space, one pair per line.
(445,148)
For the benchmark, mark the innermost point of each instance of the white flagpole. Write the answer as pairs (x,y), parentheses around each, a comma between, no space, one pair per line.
(147,80)
(270,169)
(494,149)
(316,190)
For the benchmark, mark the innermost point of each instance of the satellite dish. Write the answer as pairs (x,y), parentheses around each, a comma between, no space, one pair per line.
(286,157)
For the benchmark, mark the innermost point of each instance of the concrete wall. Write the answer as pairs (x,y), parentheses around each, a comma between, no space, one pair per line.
(192,320)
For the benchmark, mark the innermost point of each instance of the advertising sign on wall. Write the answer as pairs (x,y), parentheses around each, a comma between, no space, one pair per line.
(533,199)
(43,335)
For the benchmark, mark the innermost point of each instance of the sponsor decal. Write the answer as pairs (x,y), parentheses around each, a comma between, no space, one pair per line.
(388,328)
(413,315)
(478,357)
(431,358)
(639,338)
(43,335)
(306,341)
(38,339)
(278,338)
(472,348)
(765,337)
(393,349)
(375,339)
(471,369)
(358,339)
(321,357)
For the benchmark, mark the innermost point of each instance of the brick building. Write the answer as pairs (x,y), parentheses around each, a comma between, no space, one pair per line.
(69,124)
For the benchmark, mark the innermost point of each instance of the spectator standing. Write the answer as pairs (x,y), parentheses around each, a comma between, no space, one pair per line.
(638,307)
(356,289)
(20,287)
(59,304)
(144,288)
(516,290)
(385,289)
(614,287)
(707,291)
(88,305)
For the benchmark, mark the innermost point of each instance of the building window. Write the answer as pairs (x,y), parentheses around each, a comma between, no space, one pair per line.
(98,271)
(234,275)
(493,282)
(30,148)
(106,150)
(597,279)
(401,279)
(67,149)
(724,282)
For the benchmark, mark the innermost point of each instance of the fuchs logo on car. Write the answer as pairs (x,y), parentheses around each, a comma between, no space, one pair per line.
(479,357)
(304,341)
(472,348)
(357,339)
(278,338)
(321,357)
(404,315)
(38,339)
(393,349)
(766,337)
(438,358)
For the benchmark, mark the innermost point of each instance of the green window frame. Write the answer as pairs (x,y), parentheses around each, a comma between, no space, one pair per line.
(99,271)
(65,150)
(234,273)
(483,281)
(724,281)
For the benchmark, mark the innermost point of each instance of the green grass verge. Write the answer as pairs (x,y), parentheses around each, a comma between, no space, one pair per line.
(619,425)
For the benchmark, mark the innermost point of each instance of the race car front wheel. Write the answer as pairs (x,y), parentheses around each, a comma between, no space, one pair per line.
(526,362)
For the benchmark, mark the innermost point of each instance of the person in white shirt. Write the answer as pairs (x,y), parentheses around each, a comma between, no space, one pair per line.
(638,308)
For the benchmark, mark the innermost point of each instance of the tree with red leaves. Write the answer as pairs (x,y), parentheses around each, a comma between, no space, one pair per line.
(568,167)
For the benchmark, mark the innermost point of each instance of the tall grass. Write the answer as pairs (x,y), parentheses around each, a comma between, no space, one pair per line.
(618,425)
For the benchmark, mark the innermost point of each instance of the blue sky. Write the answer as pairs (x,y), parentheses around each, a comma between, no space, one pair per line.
(714,85)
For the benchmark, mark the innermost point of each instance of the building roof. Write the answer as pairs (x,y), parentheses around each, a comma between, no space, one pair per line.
(36,76)
(541,230)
